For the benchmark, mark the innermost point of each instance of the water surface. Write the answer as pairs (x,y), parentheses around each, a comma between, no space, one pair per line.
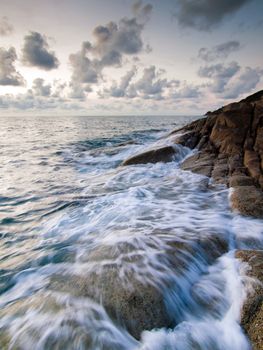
(77,228)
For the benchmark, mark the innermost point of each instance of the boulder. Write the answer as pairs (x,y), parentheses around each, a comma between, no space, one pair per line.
(164,154)
(133,290)
(248,200)
(252,310)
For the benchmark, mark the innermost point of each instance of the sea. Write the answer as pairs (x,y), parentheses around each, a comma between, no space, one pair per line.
(80,234)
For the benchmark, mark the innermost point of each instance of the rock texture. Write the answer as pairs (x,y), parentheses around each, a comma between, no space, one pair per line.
(230,145)
(136,303)
(164,154)
(252,311)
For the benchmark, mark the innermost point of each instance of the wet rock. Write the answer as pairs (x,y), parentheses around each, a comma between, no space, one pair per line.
(252,310)
(248,200)
(231,142)
(133,289)
(136,306)
(164,154)
(200,163)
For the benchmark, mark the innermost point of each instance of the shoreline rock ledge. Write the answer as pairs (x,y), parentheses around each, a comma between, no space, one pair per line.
(230,145)
(229,142)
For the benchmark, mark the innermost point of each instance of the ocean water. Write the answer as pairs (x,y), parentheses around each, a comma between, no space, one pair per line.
(79,233)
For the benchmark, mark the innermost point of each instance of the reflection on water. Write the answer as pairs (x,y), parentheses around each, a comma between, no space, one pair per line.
(95,255)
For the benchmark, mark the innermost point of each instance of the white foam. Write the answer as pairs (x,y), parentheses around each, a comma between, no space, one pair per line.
(151,208)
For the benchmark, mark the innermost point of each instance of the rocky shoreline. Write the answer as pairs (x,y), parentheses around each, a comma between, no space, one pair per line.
(229,142)
(229,149)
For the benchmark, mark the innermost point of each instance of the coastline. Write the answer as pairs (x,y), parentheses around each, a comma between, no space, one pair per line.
(229,149)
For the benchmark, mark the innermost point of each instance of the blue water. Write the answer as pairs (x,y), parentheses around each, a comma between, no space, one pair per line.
(69,211)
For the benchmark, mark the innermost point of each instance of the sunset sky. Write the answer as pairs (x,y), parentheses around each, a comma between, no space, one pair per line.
(121,57)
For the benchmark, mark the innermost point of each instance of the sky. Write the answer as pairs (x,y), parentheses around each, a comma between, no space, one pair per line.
(128,57)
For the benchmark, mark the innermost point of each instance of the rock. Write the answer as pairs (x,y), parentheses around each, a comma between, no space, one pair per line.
(134,295)
(138,308)
(252,310)
(248,200)
(200,163)
(231,127)
(133,302)
(164,154)
(240,180)
(230,144)
(252,162)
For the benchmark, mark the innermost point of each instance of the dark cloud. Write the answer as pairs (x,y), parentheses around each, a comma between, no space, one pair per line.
(111,43)
(219,74)
(8,73)
(244,83)
(205,14)
(218,52)
(5,27)
(36,52)
(112,40)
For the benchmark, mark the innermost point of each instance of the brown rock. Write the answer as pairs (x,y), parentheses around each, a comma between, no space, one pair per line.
(231,150)
(200,163)
(230,129)
(248,200)
(220,171)
(252,162)
(164,154)
(240,180)
(252,310)
(134,299)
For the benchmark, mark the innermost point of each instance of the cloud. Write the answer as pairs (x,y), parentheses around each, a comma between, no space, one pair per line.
(32,100)
(5,27)
(111,43)
(218,52)
(219,74)
(150,86)
(85,70)
(186,92)
(205,14)
(120,90)
(78,91)
(244,83)
(36,52)
(114,40)
(141,10)
(40,89)
(8,73)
